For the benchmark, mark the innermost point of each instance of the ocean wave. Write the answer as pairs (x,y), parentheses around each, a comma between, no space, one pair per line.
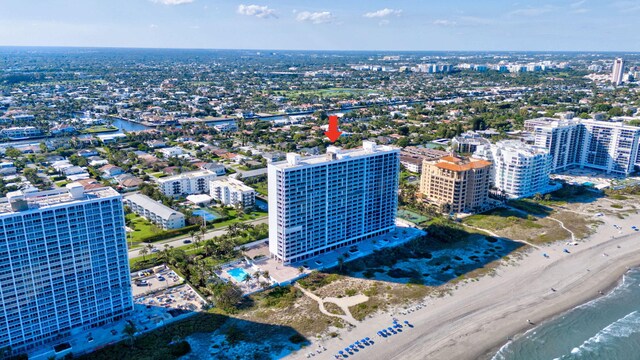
(621,287)
(623,327)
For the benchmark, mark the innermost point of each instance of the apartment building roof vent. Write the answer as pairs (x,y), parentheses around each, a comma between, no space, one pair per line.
(76,190)
(293,159)
(369,146)
(17,201)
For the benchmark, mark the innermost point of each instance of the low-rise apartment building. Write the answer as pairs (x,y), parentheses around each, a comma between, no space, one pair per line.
(232,192)
(190,183)
(157,213)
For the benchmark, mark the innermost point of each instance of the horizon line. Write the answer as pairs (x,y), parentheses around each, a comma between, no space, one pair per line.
(307,50)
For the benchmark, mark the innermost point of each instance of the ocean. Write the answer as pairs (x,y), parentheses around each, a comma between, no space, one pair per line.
(607,328)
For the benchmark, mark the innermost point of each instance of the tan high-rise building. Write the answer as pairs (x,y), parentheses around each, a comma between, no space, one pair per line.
(617,72)
(461,183)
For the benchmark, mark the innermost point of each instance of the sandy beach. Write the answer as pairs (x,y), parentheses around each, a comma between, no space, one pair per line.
(478,317)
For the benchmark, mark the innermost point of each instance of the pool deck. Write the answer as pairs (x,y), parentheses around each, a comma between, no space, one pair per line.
(280,274)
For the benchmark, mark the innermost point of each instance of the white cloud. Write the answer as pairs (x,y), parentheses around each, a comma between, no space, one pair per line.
(153,26)
(531,11)
(444,22)
(320,17)
(382,13)
(578,4)
(172,2)
(577,7)
(262,12)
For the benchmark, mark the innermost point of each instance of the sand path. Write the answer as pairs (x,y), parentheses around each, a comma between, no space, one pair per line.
(344,304)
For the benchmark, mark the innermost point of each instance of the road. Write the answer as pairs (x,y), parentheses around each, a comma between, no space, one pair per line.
(179,241)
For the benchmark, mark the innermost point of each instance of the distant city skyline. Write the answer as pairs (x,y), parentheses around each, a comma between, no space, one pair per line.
(582,25)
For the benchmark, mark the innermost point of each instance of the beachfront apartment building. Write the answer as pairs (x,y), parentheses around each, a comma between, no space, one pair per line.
(606,146)
(63,264)
(232,192)
(411,157)
(321,203)
(519,170)
(156,212)
(456,184)
(189,183)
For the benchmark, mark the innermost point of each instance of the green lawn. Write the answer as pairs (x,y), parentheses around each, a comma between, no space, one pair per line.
(261,188)
(234,219)
(99,129)
(142,228)
(61,183)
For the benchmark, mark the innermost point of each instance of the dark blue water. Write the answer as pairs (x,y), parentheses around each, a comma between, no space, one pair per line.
(607,328)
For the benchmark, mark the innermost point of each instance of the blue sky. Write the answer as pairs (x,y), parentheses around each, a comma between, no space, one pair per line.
(325,24)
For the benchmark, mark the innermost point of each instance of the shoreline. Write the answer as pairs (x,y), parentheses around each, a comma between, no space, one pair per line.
(491,352)
(475,320)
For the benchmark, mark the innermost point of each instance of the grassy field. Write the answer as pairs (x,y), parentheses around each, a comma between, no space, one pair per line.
(142,228)
(499,219)
(99,129)
(518,225)
(261,188)
(233,218)
(330,92)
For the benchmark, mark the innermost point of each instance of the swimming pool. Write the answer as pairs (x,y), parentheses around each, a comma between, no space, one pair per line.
(208,215)
(238,274)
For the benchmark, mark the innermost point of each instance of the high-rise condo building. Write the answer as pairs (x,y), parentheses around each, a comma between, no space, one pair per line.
(618,71)
(611,147)
(63,264)
(519,170)
(457,185)
(321,203)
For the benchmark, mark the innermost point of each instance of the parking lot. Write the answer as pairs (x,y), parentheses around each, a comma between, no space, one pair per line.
(181,297)
(152,280)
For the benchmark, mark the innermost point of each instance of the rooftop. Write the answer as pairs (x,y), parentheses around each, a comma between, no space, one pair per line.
(19,201)
(334,154)
(235,184)
(520,148)
(457,164)
(187,175)
(148,203)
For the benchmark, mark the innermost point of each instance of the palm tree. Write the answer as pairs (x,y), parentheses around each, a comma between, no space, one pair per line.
(144,251)
(265,274)
(191,234)
(196,239)
(300,269)
(256,276)
(129,332)
(247,278)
